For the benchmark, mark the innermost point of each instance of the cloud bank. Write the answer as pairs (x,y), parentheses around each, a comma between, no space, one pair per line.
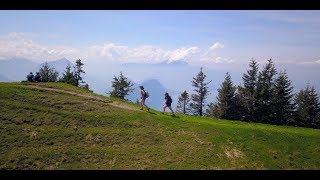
(20,45)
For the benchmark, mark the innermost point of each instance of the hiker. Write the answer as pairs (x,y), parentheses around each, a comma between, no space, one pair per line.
(167,103)
(37,77)
(30,77)
(143,98)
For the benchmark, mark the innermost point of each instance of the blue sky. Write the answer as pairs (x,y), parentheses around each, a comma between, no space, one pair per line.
(167,27)
(286,36)
(219,40)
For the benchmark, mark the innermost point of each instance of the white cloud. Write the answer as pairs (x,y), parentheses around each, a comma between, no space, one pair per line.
(145,54)
(181,54)
(108,51)
(216,45)
(23,46)
(211,56)
(113,52)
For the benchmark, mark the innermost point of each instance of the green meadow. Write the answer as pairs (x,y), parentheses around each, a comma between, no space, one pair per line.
(58,126)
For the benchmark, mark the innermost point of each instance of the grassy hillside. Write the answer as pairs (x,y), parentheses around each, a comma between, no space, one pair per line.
(58,126)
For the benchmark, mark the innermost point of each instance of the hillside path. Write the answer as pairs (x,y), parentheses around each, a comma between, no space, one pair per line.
(112,103)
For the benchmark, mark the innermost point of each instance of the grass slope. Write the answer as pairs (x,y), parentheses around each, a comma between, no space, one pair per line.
(71,128)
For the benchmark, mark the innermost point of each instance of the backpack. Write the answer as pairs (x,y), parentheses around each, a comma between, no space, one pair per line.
(146,94)
(169,100)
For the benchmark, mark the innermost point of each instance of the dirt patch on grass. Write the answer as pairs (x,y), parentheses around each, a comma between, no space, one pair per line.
(123,106)
(233,153)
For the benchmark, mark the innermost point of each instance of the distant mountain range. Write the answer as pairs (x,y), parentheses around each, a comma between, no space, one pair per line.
(175,63)
(162,63)
(60,65)
(16,69)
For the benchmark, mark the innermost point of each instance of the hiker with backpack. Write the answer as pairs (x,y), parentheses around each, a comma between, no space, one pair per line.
(167,103)
(37,77)
(144,96)
(30,77)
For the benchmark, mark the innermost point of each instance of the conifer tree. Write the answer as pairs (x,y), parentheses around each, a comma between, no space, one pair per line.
(247,93)
(68,76)
(77,72)
(265,88)
(201,93)
(48,73)
(213,110)
(121,86)
(183,103)
(307,108)
(282,104)
(226,107)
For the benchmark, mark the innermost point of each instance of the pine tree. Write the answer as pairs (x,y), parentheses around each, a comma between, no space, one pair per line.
(183,103)
(307,108)
(68,76)
(121,86)
(315,109)
(213,110)
(265,88)
(226,106)
(48,73)
(282,104)
(201,93)
(77,72)
(248,92)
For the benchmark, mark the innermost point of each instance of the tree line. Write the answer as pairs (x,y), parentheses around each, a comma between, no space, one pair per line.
(266,96)
(74,77)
